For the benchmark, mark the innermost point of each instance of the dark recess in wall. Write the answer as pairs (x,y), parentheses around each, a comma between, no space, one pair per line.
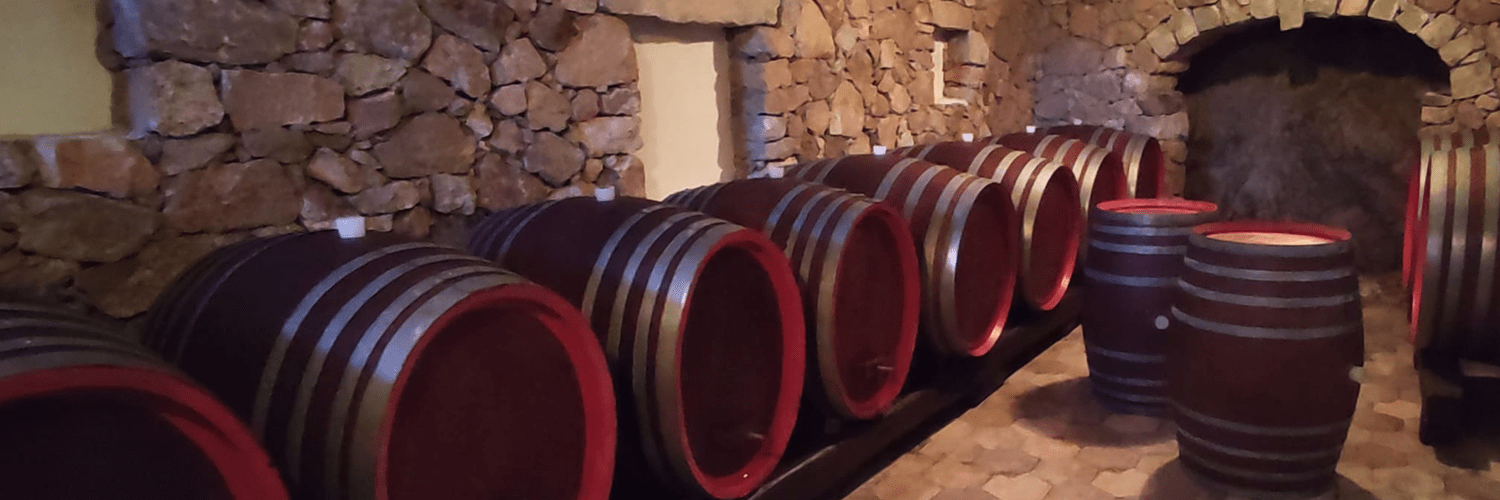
(1316,124)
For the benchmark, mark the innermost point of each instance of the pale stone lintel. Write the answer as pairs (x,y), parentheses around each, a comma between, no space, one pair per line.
(725,12)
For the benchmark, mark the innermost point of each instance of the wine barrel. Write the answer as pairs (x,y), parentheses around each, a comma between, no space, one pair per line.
(700,320)
(1045,197)
(1268,336)
(1413,242)
(86,414)
(379,368)
(1100,173)
(1145,172)
(857,266)
(966,232)
(1455,302)
(1134,260)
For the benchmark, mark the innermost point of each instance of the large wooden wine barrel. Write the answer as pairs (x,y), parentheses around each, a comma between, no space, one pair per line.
(85,413)
(1433,148)
(967,236)
(378,368)
(857,266)
(1100,173)
(1145,172)
(1268,339)
(1045,197)
(1455,300)
(1134,260)
(700,319)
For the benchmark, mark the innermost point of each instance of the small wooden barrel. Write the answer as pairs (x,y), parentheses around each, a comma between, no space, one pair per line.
(1268,336)
(857,266)
(1455,300)
(1145,175)
(1045,197)
(1100,173)
(700,319)
(1434,147)
(967,237)
(86,414)
(380,368)
(1134,260)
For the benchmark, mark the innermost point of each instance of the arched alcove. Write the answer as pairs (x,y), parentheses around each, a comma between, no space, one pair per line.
(1317,123)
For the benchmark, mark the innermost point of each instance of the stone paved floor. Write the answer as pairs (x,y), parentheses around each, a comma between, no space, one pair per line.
(1042,437)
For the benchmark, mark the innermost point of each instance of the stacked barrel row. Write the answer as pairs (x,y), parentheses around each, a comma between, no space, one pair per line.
(637,343)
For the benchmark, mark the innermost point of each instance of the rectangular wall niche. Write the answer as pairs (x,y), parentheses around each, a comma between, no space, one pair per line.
(685,120)
(50,80)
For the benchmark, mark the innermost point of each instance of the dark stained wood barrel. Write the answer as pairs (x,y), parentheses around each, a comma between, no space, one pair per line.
(1131,274)
(1145,172)
(85,413)
(1455,300)
(1045,197)
(1432,147)
(380,368)
(967,236)
(1100,173)
(1268,342)
(857,267)
(700,319)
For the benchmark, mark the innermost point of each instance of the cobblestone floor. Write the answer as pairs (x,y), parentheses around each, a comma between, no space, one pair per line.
(1042,437)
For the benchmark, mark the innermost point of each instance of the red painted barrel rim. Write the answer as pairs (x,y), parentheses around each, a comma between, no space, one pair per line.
(793,345)
(906,343)
(1010,240)
(1057,286)
(1135,205)
(589,365)
(1338,236)
(216,432)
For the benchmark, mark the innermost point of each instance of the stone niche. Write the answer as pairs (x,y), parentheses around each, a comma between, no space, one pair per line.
(1316,124)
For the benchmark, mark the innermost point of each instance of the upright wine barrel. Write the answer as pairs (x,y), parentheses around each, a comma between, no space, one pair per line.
(379,368)
(86,414)
(701,322)
(857,266)
(1100,173)
(1455,302)
(1134,260)
(1145,175)
(1268,339)
(966,232)
(1045,197)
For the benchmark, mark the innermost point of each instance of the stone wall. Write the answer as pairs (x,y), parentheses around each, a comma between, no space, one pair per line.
(838,77)
(243,118)
(1138,42)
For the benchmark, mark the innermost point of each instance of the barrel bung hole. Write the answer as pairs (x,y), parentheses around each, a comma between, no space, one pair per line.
(89,444)
(732,363)
(490,408)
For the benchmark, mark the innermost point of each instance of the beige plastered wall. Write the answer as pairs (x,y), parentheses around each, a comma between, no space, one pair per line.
(50,80)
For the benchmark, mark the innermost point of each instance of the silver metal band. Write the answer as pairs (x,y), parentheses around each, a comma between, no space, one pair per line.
(1255,332)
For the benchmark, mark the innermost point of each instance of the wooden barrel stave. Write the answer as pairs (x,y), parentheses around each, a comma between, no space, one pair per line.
(631,265)
(1243,313)
(954,219)
(1132,270)
(1455,305)
(319,369)
(109,419)
(861,336)
(1100,173)
(1044,196)
(1141,155)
